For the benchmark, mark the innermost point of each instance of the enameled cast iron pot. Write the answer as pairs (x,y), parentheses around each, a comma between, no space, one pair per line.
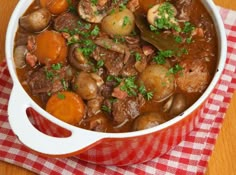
(52,137)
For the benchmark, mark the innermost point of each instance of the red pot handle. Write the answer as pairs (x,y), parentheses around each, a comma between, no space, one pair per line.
(79,140)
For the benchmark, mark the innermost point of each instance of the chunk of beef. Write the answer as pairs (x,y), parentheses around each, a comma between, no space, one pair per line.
(129,68)
(184,8)
(94,106)
(66,21)
(126,109)
(113,60)
(107,88)
(47,81)
(194,77)
(94,12)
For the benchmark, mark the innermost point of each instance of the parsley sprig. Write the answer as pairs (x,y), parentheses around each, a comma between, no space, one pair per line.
(167,18)
(147,95)
(175,69)
(129,86)
(160,58)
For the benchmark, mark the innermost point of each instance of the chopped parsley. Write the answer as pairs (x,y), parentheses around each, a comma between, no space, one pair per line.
(189,40)
(100,64)
(118,39)
(147,95)
(126,21)
(129,86)
(61,96)
(87,48)
(94,2)
(137,56)
(174,70)
(72,40)
(71,7)
(49,74)
(64,84)
(56,66)
(188,27)
(95,31)
(162,55)
(122,7)
(106,109)
(167,18)
(113,78)
(178,39)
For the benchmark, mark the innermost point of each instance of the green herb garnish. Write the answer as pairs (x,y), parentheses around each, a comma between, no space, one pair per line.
(61,96)
(147,95)
(162,55)
(129,86)
(174,70)
(56,66)
(106,109)
(188,27)
(126,21)
(95,31)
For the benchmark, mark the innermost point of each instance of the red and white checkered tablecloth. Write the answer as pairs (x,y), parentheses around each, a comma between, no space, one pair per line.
(189,157)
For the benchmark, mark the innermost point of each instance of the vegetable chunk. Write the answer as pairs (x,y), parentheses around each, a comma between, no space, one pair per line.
(66,106)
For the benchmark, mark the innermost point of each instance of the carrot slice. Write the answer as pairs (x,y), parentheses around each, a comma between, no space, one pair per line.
(43,3)
(51,47)
(56,7)
(66,106)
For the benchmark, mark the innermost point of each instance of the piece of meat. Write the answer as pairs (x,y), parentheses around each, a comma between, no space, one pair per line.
(133,5)
(184,8)
(31,59)
(132,39)
(66,21)
(113,61)
(95,12)
(129,68)
(126,109)
(94,106)
(118,93)
(48,81)
(107,88)
(194,77)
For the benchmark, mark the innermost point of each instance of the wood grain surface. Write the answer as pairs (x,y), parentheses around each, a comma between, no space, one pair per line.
(222,161)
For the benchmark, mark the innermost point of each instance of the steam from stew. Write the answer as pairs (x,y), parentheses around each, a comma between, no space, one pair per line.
(115,66)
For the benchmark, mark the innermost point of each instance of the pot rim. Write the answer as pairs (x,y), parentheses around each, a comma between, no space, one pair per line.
(222,50)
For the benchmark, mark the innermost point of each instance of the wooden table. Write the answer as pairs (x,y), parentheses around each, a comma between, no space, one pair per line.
(222,161)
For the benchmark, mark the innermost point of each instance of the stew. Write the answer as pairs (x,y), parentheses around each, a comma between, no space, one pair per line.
(115,66)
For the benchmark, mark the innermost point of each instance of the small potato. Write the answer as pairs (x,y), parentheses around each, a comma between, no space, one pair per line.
(51,47)
(157,80)
(119,23)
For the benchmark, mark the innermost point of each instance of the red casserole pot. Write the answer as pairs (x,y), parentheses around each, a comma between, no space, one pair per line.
(52,137)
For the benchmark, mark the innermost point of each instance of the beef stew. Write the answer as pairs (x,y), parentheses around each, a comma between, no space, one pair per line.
(125,66)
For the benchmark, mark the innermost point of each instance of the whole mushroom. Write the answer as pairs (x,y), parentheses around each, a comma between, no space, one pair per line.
(36,21)
(85,86)
(148,120)
(176,104)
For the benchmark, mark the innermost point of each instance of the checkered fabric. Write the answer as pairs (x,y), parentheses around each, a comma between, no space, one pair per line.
(189,157)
